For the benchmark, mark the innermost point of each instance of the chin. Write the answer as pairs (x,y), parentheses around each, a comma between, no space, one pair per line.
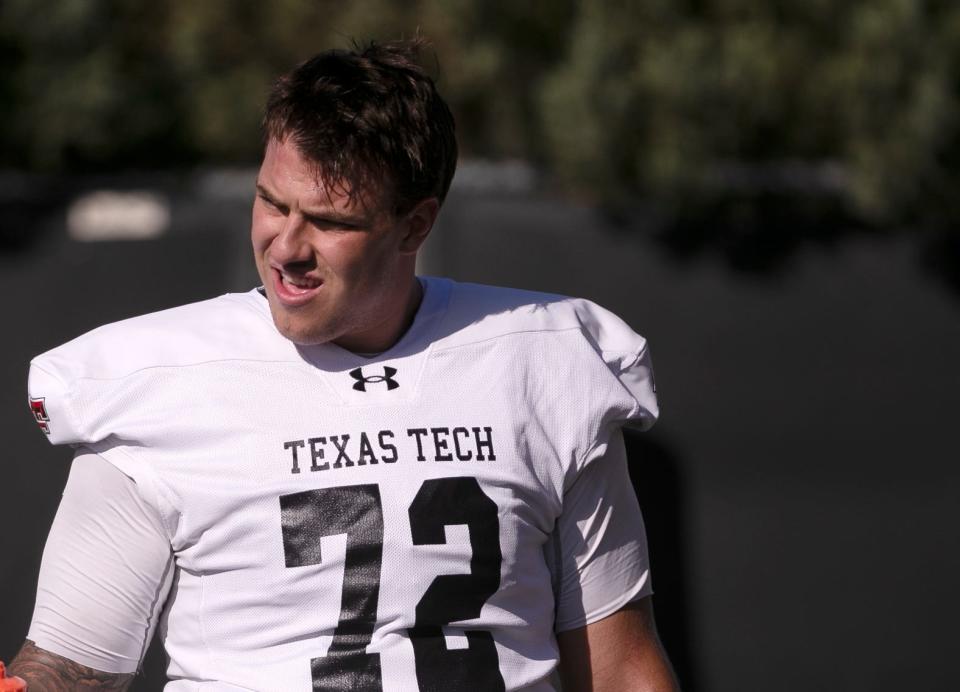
(302,339)
(302,334)
(305,337)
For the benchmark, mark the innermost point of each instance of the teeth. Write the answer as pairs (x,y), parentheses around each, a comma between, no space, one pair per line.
(304,283)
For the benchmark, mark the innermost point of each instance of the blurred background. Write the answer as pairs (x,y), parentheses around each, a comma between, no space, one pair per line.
(765,190)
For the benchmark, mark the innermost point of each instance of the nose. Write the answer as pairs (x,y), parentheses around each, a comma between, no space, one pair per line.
(290,246)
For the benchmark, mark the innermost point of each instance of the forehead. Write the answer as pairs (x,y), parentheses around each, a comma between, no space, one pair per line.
(286,171)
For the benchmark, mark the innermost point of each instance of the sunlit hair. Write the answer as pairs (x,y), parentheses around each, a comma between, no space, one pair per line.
(371,119)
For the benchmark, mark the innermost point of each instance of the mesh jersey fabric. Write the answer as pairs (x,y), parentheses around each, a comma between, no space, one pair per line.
(107,568)
(325,508)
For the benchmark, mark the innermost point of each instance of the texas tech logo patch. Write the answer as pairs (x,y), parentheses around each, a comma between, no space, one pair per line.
(39,409)
(363,380)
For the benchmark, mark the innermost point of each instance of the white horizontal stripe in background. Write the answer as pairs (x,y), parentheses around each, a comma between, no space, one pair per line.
(111,215)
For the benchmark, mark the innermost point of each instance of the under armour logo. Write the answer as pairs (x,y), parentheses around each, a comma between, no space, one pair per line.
(361,381)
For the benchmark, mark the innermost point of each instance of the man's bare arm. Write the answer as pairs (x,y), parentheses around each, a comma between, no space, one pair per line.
(621,653)
(48,672)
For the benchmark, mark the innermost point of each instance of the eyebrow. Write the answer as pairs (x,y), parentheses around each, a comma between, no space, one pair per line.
(265,193)
(326,215)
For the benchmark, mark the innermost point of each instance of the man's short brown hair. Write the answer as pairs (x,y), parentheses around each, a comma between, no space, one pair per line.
(370,118)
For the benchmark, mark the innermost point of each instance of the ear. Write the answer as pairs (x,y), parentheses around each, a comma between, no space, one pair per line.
(417,224)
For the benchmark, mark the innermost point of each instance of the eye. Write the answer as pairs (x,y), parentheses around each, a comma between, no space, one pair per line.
(331,224)
(269,204)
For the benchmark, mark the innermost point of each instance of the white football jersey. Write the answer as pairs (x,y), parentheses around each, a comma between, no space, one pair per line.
(343,522)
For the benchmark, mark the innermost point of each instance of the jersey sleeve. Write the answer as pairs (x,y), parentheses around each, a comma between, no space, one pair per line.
(100,413)
(597,553)
(51,404)
(74,407)
(106,570)
(626,355)
(618,391)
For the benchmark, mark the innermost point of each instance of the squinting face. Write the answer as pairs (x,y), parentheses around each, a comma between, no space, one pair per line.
(336,268)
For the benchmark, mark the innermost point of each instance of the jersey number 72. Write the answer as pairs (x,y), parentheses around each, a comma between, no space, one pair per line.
(356,510)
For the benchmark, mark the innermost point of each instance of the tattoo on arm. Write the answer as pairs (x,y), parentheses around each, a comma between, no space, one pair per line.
(48,672)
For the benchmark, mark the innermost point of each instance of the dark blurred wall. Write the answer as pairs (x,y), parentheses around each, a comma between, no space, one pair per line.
(801,489)
(810,419)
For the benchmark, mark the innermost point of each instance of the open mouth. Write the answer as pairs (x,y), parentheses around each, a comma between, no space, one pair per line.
(292,289)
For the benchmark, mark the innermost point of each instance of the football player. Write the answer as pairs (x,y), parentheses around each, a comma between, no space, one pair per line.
(351,477)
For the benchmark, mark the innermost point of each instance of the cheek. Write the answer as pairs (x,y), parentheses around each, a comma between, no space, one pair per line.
(346,256)
(261,232)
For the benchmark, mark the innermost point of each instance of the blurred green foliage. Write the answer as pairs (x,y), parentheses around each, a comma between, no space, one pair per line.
(656,93)
(615,97)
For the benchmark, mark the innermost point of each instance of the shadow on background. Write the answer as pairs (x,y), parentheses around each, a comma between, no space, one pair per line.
(657,481)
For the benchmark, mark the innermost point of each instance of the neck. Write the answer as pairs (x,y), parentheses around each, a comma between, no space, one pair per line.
(390,331)
(410,311)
